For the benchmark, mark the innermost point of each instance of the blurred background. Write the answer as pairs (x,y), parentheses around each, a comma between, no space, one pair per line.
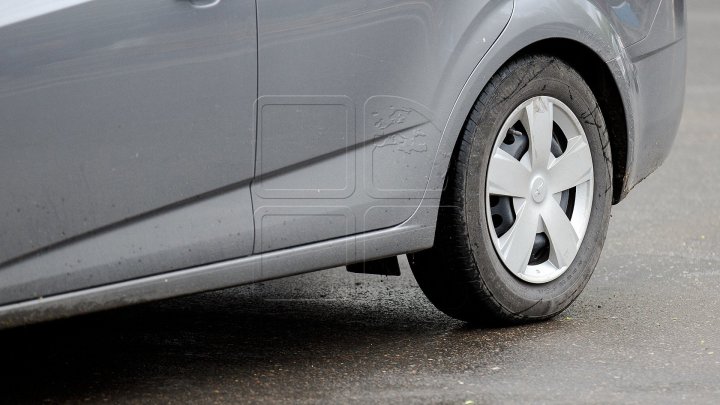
(646,329)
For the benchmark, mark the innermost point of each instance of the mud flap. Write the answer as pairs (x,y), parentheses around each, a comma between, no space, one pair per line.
(383,267)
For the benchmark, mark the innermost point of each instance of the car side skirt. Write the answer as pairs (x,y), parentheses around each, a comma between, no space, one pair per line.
(397,240)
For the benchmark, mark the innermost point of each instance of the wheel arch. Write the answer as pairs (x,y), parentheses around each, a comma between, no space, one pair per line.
(596,73)
(599,76)
(579,33)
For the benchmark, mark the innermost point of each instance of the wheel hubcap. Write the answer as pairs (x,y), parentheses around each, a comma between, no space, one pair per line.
(539,190)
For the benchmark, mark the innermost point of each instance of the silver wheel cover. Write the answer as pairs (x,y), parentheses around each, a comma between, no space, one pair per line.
(535,183)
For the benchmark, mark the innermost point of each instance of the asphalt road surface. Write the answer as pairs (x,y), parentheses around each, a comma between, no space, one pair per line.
(646,329)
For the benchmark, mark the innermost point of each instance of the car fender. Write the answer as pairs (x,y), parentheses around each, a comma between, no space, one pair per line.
(577,20)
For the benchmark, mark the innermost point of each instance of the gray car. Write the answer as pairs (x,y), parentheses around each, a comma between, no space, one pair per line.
(156,148)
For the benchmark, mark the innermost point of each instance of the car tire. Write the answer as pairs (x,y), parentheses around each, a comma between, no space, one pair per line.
(464,274)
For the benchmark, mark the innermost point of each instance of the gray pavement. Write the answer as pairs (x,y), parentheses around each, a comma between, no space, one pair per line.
(646,329)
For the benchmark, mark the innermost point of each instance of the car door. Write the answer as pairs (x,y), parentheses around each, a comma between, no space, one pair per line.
(353,99)
(126,139)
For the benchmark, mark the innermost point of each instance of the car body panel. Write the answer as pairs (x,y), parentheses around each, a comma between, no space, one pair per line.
(365,185)
(208,230)
(583,22)
(631,19)
(114,115)
(386,70)
(658,93)
(282,263)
